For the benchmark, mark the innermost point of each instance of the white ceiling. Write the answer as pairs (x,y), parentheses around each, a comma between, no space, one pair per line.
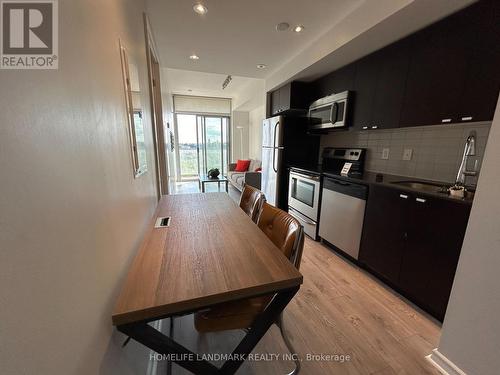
(236,35)
(189,82)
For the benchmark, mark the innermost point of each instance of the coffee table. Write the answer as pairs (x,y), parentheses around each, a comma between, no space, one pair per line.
(206,179)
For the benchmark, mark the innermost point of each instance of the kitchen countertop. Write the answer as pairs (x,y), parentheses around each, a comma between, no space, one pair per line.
(370,178)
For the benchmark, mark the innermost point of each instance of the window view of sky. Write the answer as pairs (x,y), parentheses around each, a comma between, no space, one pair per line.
(210,144)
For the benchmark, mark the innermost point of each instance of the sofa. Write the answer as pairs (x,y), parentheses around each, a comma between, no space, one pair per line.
(250,177)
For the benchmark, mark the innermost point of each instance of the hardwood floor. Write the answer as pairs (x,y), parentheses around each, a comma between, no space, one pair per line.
(342,310)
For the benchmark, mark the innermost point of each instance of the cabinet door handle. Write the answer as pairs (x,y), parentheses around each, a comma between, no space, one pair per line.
(404,196)
(421,200)
(375,127)
(467,118)
(446,120)
(365,127)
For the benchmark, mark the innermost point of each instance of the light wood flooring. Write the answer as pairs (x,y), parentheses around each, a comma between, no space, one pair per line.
(340,309)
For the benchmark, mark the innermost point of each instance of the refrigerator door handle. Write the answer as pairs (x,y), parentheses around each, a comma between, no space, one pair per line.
(274,138)
(274,160)
(274,146)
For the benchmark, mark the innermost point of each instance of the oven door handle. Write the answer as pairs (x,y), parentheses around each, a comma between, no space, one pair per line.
(301,217)
(314,178)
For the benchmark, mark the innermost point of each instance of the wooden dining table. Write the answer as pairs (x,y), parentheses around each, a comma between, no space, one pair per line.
(210,253)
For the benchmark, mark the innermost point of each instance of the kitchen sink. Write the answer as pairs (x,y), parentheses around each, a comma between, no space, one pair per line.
(422,186)
(431,187)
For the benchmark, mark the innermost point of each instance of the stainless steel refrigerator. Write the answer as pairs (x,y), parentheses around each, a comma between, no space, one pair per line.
(272,155)
(285,143)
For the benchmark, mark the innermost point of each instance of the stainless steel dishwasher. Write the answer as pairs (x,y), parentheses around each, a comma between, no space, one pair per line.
(342,214)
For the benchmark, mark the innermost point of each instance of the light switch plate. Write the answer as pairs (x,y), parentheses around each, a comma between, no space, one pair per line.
(407,154)
(385,153)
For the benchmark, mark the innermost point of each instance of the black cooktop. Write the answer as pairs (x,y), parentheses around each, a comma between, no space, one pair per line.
(319,170)
(312,169)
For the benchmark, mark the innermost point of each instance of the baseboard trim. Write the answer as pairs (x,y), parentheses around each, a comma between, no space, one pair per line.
(443,364)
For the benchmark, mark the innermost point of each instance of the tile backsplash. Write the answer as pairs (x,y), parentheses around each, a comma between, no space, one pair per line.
(436,150)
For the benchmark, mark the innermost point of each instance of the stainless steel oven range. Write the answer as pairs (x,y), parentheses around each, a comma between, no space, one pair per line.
(303,199)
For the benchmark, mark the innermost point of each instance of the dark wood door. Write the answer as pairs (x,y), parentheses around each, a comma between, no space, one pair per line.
(339,81)
(390,86)
(436,74)
(364,91)
(275,102)
(384,231)
(435,235)
(482,81)
(285,97)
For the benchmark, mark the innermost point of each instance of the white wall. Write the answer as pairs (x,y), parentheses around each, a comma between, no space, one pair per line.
(255,129)
(71,213)
(471,333)
(239,135)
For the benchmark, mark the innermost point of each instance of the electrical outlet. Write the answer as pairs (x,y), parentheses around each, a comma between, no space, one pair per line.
(408,152)
(385,153)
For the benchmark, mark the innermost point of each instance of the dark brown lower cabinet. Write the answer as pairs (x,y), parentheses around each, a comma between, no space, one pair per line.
(414,242)
(383,236)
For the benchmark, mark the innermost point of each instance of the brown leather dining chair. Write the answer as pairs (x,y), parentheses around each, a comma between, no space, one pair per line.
(251,202)
(288,235)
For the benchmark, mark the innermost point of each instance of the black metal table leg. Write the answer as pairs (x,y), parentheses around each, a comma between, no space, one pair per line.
(145,334)
(161,344)
(171,335)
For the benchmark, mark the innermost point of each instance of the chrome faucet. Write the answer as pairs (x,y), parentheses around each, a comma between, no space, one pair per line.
(469,150)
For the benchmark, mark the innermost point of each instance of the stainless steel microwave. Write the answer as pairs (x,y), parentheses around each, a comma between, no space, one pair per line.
(329,112)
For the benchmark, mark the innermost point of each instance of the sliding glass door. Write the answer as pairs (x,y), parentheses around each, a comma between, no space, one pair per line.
(203,144)
(187,146)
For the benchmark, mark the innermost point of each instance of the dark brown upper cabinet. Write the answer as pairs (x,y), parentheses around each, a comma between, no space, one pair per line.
(339,81)
(293,96)
(275,102)
(379,87)
(440,54)
(445,73)
(482,79)
(454,75)
(364,91)
(391,82)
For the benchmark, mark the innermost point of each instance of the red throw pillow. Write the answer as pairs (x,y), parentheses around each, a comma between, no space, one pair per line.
(242,165)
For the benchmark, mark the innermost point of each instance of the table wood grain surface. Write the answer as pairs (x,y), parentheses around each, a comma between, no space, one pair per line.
(211,253)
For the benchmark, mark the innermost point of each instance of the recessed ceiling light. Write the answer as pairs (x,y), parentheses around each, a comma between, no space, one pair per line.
(200,8)
(282,26)
(194,57)
(298,28)
(261,66)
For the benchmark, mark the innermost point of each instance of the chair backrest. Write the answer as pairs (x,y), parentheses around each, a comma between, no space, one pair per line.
(251,202)
(284,231)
